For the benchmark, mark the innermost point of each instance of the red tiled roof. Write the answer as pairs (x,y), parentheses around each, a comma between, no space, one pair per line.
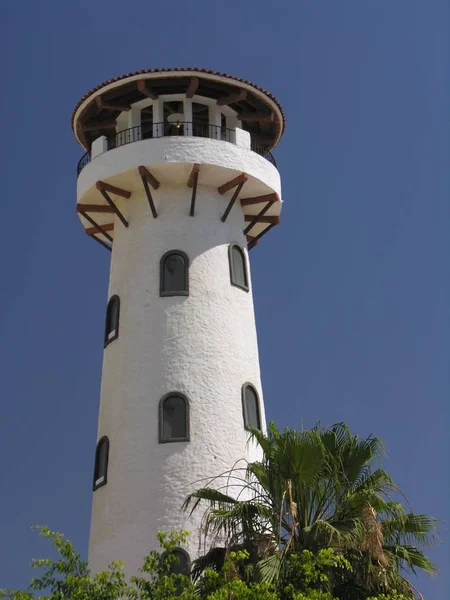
(180,69)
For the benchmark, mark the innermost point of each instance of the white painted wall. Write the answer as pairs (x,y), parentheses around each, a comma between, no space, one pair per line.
(203,345)
(99,146)
(243,138)
(183,151)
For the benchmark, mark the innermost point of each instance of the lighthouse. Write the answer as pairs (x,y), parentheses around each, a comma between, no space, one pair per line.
(179,184)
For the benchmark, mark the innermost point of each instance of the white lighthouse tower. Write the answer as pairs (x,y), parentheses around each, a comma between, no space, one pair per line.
(179,184)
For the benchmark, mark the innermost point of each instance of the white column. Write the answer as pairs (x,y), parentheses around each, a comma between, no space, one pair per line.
(215,121)
(158,118)
(134,124)
(187,109)
(99,146)
(232,123)
(242,138)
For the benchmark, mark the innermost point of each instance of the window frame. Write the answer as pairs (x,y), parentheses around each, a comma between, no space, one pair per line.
(185,257)
(107,338)
(186,555)
(245,287)
(167,440)
(103,440)
(246,385)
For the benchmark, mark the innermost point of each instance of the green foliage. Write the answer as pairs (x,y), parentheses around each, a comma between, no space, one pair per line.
(69,577)
(318,523)
(157,581)
(392,596)
(308,576)
(227,584)
(316,489)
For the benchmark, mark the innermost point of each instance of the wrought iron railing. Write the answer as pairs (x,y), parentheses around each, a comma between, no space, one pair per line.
(181,128)
(261,149)
(83,161)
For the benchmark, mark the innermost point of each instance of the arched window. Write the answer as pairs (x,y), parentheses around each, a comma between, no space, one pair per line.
(250,407)
(112,320)
(101,463)
(180,564)
(173,418)
(174,274)
(238,267)
(183,564)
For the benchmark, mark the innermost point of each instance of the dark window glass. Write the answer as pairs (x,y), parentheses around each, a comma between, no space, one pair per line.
(181,567)
(238,267)
(250,403)
(174,418)
(112,320)
(101,463)
(174,274)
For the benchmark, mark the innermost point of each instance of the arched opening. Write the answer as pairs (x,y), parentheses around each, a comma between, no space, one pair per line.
(101,463)
(250,407)
(179,563)
(112,320)
(238,267)
(183,563)
(174,418)
(174,274)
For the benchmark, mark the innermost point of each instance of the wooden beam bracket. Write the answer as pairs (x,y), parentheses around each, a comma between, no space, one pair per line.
(256,239)
(232,201)
(258,216)
(98,125)
(101,242)
(271,219)
(229,185)
(231,98)
(258,117)
(144,89)
(259,199)
(195,170)
(106,189)
(144,172)
(97,226)
(192,183)
(97,208)
(100,104)
(148,178)
(192,87)
(106,227)
(112,189)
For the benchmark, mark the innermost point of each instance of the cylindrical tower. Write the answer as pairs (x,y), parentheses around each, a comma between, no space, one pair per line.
(178,183)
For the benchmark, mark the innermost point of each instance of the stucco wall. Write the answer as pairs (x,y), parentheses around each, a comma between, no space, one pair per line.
(164,153)
(203,345)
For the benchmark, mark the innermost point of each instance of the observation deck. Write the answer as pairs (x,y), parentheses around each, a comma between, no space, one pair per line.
(192,127)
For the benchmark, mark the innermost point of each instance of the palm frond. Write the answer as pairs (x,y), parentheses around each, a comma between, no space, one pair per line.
(269,568)
(336,534)
(213,559)
(410,559)
(213,496)
(410,528)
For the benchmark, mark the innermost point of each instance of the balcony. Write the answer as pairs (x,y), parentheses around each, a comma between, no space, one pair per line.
(157,130)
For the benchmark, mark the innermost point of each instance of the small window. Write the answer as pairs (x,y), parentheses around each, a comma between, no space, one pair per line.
(174,418)
(250,407)
(174,275)
(238,267)
(101,463)
(182,566)
(112,320)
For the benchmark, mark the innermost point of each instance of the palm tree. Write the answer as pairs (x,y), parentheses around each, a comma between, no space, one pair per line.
(316,489)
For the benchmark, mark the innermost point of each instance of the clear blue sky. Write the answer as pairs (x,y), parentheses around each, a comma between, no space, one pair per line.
(351,289)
